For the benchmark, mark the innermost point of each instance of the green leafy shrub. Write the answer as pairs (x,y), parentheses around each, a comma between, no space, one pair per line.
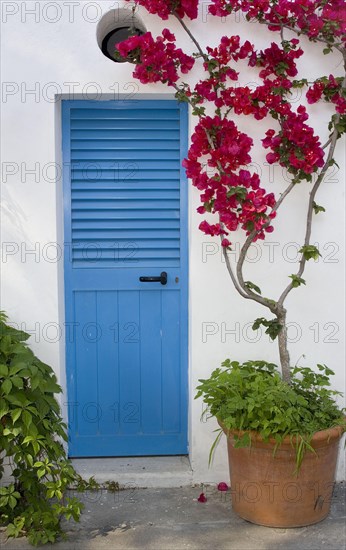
(253,397)
(31,436)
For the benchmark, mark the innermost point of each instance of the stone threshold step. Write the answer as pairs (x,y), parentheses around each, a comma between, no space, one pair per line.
(139,472)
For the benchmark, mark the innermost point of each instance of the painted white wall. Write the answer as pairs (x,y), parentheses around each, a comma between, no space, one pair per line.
(50,47)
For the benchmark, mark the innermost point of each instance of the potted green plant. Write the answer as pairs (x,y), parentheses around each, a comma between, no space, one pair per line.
(282,438)
(283,425)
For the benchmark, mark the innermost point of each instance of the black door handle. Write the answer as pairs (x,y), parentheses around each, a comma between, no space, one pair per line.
(162,279)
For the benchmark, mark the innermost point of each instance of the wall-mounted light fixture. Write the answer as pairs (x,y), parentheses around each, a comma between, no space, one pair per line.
(114,27)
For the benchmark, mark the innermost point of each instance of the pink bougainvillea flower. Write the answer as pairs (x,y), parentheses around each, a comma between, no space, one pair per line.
(156,60)
(301,14)
(220,154)
(202,498)
(212,230)
(272,157)
(168,35)
(164,8)
(222,486)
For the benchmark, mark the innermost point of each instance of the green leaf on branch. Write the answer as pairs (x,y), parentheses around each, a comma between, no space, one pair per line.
(252,286)
(333,162)
(317,208)
(240,192)
(341,126)
(338,123)
(182,97)
(27,418)
(300,83)
(242,441)
(15,414)
(3,370)
(310,252)
(250,226)
(6,386)
(198,111)
(209,205)
(3,409)
(273,326)
(297,281)
(281,67)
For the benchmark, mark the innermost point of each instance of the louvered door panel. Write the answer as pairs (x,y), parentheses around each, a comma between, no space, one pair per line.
(111,202)
(125,218)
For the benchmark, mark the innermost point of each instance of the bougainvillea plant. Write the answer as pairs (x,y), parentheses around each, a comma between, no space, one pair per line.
(220,153)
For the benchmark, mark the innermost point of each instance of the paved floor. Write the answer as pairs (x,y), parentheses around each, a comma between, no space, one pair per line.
(173,519)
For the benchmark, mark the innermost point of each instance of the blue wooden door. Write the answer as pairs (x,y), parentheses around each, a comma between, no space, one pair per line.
(125,199)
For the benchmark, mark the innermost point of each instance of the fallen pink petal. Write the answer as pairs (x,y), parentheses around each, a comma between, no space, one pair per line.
(222,486)
(202,498)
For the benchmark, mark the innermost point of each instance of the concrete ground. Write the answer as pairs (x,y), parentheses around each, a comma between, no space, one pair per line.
(173,519)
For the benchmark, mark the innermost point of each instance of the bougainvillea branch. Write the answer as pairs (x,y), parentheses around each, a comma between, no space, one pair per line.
(312,205)
(219,156)
(186,29)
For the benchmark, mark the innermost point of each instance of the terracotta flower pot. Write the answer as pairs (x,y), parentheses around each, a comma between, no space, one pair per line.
(266,491)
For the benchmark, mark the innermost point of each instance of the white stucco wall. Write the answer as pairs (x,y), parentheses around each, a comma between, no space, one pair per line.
(49,48)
